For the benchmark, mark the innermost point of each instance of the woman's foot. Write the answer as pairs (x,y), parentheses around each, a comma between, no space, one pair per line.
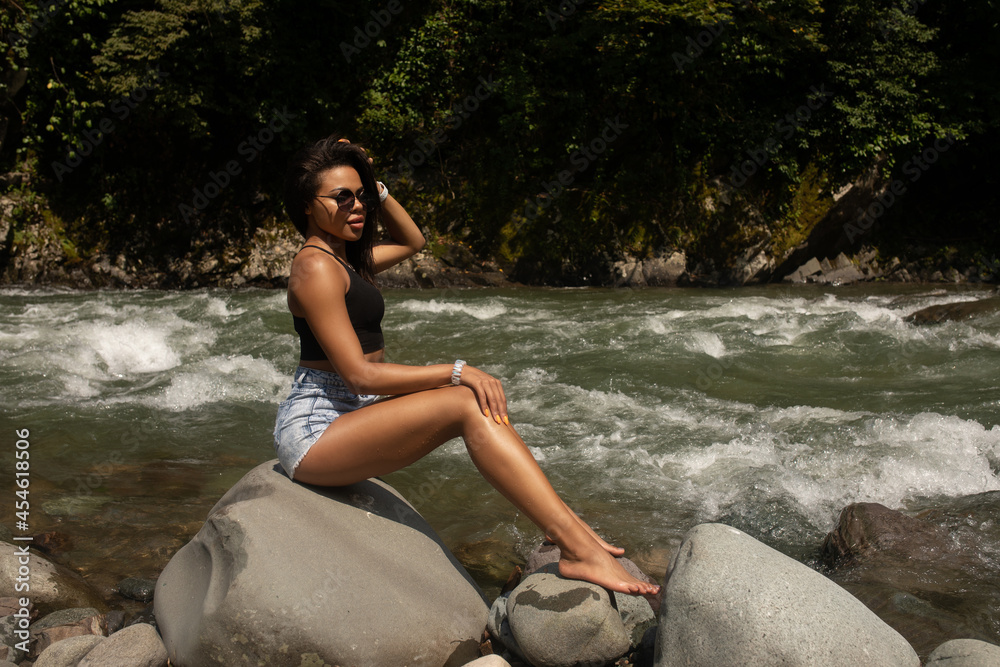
(599,567)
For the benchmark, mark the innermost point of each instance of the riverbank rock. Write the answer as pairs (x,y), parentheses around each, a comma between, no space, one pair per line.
(283,573)
(840,271)
(660,271)
(558,622)
(964,653)
(457,267)
(729,599)
(53,586)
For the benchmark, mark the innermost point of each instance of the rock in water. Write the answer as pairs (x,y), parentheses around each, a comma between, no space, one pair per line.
(954,311)
(731,600)
(283,573)
(929,578)
(868,528)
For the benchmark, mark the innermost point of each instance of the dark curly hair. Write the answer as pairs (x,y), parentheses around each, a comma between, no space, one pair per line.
(302,180)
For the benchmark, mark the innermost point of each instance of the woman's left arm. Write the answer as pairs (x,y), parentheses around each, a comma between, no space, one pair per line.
(406,237)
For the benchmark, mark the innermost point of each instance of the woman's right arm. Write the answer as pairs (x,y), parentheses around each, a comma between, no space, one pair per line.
(318,287)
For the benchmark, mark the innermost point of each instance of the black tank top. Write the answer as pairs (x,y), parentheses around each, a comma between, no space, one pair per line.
(365,307)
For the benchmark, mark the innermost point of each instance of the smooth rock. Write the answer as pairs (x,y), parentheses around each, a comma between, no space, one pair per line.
(964,653)
(68,652)
(282,572)
(560,622)
(499,627)
(636,614)
(136,646)
(729,599)
(52,586)
(488,661)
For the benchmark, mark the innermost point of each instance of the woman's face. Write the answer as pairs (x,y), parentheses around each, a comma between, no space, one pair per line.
(332,211)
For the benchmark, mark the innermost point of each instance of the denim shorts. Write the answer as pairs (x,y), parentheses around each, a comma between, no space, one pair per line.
(316,399)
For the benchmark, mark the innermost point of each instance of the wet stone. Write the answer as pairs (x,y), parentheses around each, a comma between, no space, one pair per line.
(136,588)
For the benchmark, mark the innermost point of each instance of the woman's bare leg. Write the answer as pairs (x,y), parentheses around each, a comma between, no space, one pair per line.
(610,548)
(386,436)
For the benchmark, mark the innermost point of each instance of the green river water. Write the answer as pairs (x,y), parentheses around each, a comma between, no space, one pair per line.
(651,410)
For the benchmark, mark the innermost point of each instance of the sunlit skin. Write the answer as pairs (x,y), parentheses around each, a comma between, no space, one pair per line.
(425,410)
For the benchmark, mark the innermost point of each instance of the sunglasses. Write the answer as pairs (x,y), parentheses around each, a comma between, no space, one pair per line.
(345,199)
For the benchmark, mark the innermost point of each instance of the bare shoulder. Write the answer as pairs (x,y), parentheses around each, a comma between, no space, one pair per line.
(315,273)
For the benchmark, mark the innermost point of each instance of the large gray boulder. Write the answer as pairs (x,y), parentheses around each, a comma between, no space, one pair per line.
(731,600)
(286,574)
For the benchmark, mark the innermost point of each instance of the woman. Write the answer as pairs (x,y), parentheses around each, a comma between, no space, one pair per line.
(331,431)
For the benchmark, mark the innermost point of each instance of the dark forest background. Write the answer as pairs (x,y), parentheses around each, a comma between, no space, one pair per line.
(552,137)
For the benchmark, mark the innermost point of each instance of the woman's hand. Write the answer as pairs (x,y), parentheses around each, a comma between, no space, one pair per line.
(489,392)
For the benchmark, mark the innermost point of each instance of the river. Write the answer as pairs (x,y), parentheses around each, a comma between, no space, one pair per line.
(768,408)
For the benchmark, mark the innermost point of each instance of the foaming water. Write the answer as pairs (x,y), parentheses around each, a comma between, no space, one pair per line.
(651,410)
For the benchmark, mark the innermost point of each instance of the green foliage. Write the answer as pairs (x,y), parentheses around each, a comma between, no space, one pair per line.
(478,112)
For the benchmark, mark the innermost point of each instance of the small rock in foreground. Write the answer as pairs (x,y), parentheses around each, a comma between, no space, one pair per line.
(560,622)
(964,653)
